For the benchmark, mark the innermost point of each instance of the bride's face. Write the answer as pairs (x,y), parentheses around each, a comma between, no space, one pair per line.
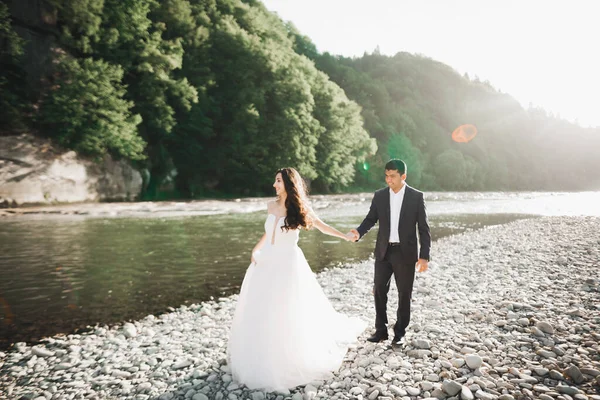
(278,185)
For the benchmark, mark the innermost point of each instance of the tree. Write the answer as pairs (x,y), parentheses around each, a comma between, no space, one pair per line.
(261,106)
(399,146)
(86,110)
(123,33)
(451,170)
(13,98)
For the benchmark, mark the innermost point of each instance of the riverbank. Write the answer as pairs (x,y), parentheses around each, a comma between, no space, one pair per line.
(165,208)
(447,203)
(509,311)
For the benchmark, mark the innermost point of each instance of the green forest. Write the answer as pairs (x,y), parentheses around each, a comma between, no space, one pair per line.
(210,97)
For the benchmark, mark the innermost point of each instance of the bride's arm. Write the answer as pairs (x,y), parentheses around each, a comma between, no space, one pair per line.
(326,229)
(263,239)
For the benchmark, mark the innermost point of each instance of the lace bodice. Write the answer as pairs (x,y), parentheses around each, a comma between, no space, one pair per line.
(278,237)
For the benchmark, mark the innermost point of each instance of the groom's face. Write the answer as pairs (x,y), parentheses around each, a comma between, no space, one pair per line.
(394,180)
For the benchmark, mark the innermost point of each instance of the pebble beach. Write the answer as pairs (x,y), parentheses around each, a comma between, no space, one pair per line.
(506,312)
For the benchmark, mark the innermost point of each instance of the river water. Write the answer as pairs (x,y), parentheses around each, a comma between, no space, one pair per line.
(64,268)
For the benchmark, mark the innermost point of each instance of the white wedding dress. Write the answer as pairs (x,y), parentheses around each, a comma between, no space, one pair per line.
(285,331)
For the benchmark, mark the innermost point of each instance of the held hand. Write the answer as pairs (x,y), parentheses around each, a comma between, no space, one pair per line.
(422,265)
(354,235)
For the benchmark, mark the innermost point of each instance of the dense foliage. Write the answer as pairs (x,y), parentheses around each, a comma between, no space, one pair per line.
(412,104)
(12,98)
(212,96)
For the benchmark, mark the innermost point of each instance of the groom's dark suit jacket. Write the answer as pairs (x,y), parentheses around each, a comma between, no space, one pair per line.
(412,214)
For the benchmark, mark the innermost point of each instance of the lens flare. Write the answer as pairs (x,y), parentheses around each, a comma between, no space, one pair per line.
(464,133)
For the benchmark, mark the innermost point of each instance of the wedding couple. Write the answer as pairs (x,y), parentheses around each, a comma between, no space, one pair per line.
(285,332)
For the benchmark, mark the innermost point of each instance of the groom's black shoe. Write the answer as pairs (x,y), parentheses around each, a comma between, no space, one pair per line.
(378,337)
(397,342)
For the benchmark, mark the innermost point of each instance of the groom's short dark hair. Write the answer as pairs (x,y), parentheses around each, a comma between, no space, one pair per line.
(396,164)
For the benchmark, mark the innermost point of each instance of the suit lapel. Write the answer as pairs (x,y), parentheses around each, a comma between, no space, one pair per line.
(387,209)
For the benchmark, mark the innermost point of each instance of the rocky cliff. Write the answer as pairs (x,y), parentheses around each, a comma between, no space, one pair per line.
(33,171)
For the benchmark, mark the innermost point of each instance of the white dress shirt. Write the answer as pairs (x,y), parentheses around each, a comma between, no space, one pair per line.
(395,208)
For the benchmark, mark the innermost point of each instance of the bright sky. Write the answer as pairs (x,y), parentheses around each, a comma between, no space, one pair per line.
(543,52)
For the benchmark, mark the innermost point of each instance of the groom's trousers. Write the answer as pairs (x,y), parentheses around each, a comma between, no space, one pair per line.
(393,264)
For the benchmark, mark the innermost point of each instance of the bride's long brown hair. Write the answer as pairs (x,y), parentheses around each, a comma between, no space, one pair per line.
(296,202)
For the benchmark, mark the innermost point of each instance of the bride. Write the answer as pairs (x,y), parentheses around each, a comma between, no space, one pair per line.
(285,331)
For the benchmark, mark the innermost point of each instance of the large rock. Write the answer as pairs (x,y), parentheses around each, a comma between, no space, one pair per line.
(33,171)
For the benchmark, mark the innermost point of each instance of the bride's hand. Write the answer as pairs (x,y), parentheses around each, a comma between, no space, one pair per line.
(254,256)
(350,237)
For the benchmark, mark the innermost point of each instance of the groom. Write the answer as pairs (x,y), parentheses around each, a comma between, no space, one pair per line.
(399,209)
